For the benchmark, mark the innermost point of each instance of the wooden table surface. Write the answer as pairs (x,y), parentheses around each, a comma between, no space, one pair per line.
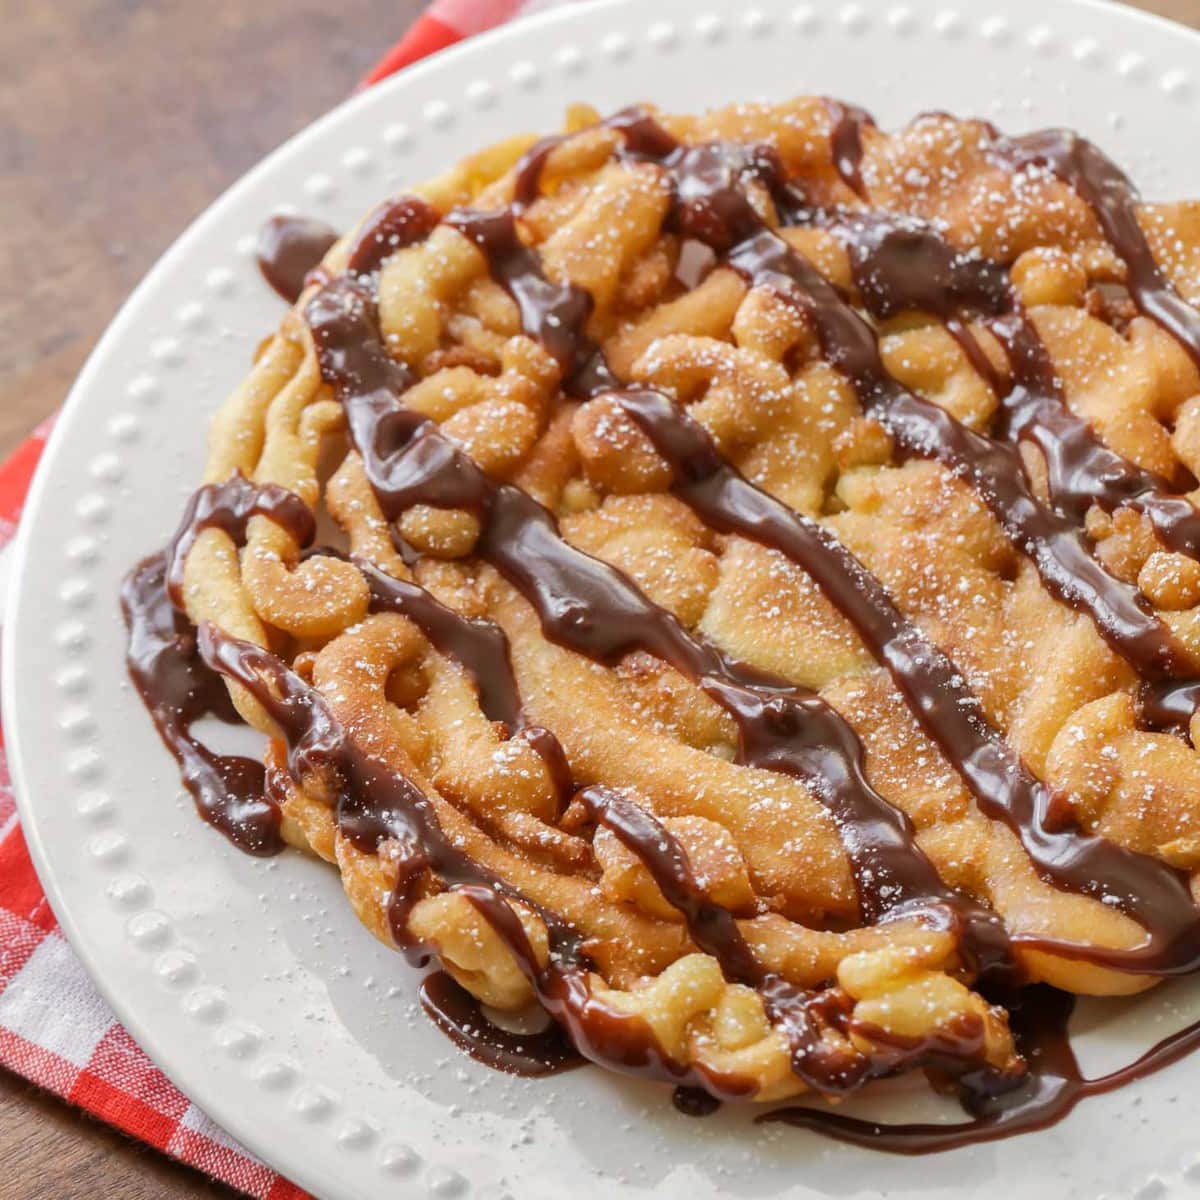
(119,122)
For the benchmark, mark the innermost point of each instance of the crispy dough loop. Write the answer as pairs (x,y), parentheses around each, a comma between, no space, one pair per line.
(618,222)
(497,775)
(473,952)
(318,598)
(736,395)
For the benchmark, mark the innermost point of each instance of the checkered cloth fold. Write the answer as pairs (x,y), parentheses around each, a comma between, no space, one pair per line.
(55,1030)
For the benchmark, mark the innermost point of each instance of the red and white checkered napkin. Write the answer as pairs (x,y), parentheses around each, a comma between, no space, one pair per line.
(55,1030)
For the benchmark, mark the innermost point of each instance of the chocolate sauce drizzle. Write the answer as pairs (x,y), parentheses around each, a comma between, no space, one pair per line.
(289,248)
(939,697)
(553,313)
(711,206)
(550,312)
(1113,199)
(1051,540)
(846,140)
(1168,705)
(899,265)
(1034,408)
(803,1015)
(589,607)
(392,225)
(229,506)
(641,134)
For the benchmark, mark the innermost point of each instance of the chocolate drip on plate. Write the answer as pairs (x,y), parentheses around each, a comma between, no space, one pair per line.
(289,248)
(461,1018)
(178,690)
(694,1102)
(1054,1086)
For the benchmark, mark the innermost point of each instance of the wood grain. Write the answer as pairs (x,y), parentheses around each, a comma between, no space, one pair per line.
(119,122)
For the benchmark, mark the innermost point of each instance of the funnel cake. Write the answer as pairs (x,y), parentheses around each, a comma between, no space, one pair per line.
(764,628)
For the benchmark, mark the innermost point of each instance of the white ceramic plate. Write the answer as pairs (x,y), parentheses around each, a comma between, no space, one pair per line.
(250,982)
